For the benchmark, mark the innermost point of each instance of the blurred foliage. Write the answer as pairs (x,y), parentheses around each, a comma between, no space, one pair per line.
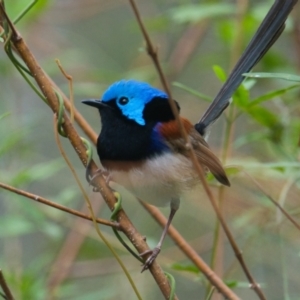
(99,42)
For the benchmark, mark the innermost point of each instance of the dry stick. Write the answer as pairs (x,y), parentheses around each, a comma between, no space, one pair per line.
(47,88)
(217,257)
(55,205)
(5,287)
(153,54)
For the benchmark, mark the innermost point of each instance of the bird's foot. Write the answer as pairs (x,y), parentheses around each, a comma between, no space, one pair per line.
(100,172)
(154,253)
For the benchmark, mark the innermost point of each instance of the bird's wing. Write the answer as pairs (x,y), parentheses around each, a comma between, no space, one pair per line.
(171,133)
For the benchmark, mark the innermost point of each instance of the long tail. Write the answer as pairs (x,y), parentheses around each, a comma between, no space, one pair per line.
(266,35)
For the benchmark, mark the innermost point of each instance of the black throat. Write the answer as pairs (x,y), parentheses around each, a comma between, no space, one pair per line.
(124,140)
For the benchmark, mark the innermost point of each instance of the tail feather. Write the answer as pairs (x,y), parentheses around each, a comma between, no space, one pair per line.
(266,35)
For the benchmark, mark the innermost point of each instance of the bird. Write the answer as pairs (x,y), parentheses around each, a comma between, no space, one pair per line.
(140,144)
(141,147)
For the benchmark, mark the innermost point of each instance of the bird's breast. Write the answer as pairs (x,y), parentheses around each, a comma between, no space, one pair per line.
(156,180)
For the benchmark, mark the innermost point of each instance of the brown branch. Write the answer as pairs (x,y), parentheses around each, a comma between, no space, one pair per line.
(56,205)
(153,54)
(46,87)
(5,288)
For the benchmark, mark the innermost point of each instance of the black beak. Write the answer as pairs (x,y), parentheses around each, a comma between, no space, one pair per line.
(95,103)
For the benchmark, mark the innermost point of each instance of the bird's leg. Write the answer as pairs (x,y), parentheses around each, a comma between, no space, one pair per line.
(155,251)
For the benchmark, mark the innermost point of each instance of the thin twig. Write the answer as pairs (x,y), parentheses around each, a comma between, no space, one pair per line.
(287,215)
(153,54)
(5,288)
(217,256)
(70,80)
(56,205)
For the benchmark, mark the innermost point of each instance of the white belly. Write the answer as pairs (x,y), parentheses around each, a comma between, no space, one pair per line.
(158,180)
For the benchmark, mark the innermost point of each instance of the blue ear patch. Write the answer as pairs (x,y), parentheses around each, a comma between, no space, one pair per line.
(138,95)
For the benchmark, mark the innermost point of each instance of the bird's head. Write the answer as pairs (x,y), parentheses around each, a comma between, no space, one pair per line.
(135,101)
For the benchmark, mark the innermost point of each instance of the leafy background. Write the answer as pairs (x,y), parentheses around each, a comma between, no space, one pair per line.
(99,42)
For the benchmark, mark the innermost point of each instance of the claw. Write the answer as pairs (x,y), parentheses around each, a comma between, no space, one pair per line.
(154,253)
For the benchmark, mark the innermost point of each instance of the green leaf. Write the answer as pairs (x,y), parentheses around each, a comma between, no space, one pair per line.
(15,8)
(272,95)
(263,116)
(241,97)
(288,77)
(220,73)
(192,91)
(186,267)
(232,283)
(198,12)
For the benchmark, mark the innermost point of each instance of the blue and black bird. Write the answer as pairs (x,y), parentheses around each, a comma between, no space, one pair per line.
(140,144)
(141,147)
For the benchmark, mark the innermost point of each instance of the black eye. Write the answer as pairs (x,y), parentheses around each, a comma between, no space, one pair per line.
(123,100)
